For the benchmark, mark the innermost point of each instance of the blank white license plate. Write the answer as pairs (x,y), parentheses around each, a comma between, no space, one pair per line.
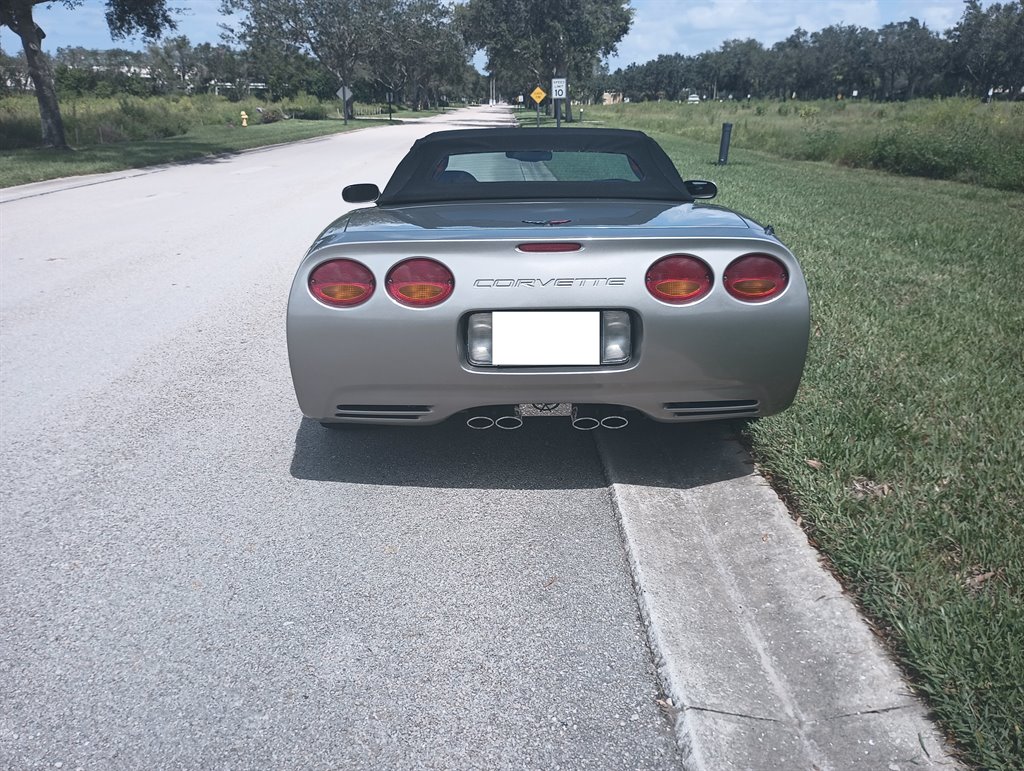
(546,338)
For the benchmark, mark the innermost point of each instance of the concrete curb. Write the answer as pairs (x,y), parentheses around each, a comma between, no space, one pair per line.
(767,663)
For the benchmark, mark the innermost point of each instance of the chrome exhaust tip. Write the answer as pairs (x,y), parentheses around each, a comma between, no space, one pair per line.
(505,417)
(509,422)
(589,417)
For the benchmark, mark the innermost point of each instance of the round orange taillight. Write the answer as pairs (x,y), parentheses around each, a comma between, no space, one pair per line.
(341,283)
(420,282)
(679,278)
(755,278)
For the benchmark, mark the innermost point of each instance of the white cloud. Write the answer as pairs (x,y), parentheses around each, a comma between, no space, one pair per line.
(674,26)
(938,16)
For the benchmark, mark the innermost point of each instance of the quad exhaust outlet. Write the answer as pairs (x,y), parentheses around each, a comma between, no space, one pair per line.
(581,419)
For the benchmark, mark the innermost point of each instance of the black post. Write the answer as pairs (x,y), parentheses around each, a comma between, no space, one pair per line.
(723,148)
(558,112)
(391,98)
(538,114)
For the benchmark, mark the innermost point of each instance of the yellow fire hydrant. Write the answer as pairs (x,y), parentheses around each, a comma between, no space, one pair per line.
(245,119)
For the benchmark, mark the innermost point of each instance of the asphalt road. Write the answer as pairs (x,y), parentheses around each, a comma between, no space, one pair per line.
(192,576)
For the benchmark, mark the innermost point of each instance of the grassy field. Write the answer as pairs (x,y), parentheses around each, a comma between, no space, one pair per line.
(955,139)
(902,455)
(110,134)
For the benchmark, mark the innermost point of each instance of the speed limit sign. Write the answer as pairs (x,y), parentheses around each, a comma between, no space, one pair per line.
(558,88)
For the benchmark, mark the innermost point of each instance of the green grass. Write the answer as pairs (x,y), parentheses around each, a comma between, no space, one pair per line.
(902,455)
(955,139)
(21,166)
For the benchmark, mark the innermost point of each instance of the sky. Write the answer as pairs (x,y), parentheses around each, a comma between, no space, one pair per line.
(659,26)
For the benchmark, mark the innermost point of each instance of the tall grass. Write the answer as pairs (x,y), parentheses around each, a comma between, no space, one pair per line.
(955,139)
(99,121)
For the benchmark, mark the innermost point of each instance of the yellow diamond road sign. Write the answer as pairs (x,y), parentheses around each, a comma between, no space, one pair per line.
(538,94)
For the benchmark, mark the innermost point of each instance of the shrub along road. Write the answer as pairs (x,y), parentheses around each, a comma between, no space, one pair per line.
(195,576)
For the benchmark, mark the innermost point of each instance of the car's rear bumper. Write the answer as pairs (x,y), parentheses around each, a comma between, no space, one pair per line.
(712,359)
(704,370)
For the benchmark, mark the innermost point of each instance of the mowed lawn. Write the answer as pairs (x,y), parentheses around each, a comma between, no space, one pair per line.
(903,453)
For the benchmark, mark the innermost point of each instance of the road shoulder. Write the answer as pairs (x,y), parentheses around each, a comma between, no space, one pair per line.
(767,662)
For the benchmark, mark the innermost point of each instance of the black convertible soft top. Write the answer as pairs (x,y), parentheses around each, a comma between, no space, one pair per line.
(421,176)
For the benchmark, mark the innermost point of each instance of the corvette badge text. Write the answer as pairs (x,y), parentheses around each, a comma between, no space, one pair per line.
(502,283)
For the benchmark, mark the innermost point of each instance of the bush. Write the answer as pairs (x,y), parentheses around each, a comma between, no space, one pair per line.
(270,114)
(311,112)
(19,122)
(305,107)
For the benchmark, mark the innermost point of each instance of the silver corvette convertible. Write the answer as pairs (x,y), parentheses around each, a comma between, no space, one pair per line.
(511,273)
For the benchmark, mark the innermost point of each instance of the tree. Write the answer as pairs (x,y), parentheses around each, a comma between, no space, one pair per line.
(907,56)
(846,53)
(742,67)
(794,64)
(417,51)
(988,46)
(13,74)
(334,32)
(124,17)
(174,63)
(545,38)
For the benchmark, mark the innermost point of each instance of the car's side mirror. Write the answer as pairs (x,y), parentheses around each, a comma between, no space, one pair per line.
(699,188)
(362,193)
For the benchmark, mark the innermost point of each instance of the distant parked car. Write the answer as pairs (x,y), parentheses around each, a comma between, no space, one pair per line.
(505,273)
(693,99)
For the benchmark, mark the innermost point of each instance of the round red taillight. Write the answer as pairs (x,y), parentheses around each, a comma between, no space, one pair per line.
(420,282)
(342,283)
(679,278)
(755,278)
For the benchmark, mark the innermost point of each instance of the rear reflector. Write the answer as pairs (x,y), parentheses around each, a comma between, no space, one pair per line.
(679,279)
(550,247)
(341,283)
(420,282)
(755,278)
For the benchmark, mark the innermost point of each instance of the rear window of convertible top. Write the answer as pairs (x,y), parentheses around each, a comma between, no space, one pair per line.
(537,166)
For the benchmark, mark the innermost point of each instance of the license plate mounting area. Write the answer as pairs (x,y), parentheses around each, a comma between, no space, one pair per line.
(546,338)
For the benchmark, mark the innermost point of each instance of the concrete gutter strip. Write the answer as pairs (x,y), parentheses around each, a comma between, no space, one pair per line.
(767,663)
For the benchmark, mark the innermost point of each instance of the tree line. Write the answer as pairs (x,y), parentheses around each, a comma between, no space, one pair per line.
(903,60)
(175,66)
(419,52)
